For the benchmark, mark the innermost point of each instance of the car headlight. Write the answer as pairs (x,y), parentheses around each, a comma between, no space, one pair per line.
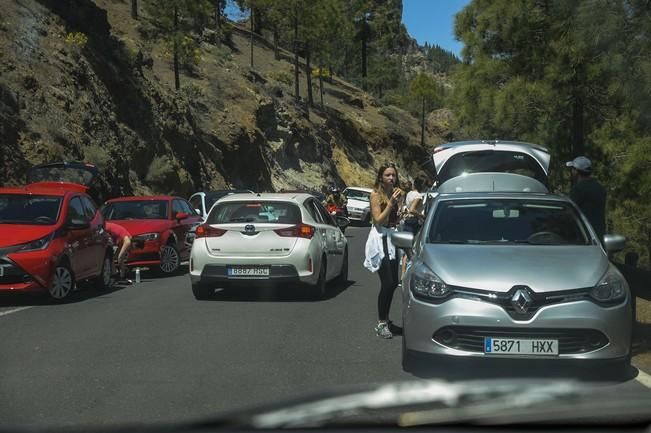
(37,245)
(148,237)
(426,284)
(611,288)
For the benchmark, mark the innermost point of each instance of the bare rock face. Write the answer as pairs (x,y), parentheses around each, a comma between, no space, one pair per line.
(109,101)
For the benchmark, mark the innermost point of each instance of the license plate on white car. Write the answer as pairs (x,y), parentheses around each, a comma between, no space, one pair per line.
(249,271)
(520,346)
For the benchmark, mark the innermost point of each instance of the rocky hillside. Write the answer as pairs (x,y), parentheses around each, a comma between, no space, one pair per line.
(80,81)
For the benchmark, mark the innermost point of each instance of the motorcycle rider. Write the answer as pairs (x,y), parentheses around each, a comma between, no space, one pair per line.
(335,199)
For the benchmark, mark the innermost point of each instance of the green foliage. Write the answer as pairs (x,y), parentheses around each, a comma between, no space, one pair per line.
(573,75)
(97,155)
(160,171)
(282,76)
(76,39)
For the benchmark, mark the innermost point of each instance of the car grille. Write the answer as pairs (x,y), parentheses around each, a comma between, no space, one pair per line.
(535,302)
(12,274)
(471,339)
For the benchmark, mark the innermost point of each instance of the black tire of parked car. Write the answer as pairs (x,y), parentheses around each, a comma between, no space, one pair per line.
(105,279)
(320,289)
(63,282)
(342,278)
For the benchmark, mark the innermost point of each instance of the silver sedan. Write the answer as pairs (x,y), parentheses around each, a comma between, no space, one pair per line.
(513,274)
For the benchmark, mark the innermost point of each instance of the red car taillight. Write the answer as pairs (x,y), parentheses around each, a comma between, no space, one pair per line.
(298,231)
(206,231)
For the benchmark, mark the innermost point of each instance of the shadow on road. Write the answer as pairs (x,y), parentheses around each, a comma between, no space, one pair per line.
(82,294)
(277,294)
(455,369)
(641,338)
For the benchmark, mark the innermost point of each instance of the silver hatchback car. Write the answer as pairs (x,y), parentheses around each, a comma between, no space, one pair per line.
(502,268)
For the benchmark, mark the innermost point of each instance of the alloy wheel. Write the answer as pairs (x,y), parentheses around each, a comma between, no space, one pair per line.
(169,259)
(62,283)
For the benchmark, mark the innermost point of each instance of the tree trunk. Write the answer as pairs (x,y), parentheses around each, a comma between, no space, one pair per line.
(252,19)
(177,81)
(364,72)
(218,15)
(276,52)
(321,89)
(422,123)
(380,90)
(308,74)
(297,95)
(134,9)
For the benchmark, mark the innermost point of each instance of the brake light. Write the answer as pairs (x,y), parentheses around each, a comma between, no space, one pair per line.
(298,231)
(206,231)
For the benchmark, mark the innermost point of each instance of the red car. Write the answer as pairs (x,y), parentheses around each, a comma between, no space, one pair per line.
(52,234)
(161,229)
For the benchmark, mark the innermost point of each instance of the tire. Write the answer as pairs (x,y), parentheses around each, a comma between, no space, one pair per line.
(320,289)
(105,279)
(170,260)
(63,282)
(342,278)
(201,292)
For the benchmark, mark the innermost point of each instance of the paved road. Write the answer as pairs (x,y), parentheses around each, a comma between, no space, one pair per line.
(150,352)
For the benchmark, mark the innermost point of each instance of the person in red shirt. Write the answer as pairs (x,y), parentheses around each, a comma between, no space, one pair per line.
(122,239)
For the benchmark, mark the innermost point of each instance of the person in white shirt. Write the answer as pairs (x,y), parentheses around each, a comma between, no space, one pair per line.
(415,215)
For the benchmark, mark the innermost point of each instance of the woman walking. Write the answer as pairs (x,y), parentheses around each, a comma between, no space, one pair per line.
(415,215)
(381,255)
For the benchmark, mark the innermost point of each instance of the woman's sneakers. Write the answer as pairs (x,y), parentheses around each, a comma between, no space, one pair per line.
(382,330)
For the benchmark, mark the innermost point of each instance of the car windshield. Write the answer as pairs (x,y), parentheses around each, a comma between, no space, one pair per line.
(255,212)
(357,194)
(29,209)
(492,161)
(500,221)
(130,210)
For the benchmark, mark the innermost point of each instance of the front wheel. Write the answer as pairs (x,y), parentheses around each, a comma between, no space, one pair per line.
(169,259)
(63,282)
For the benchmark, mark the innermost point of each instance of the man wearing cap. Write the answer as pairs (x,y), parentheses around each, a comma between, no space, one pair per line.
(589,195)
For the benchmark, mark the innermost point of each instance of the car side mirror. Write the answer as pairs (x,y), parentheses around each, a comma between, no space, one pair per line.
(614,243)
(402,239)
(78,224)
(342,221)
(181,216)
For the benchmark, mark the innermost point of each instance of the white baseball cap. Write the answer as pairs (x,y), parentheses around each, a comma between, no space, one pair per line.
(580,163)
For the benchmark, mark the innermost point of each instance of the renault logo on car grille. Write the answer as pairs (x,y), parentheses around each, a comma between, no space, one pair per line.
(249,229)
(522,300)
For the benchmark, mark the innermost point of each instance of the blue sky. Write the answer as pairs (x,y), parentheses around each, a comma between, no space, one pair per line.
(433,21)
(426,21)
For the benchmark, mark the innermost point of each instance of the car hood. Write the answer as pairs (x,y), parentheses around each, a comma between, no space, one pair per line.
(545,268)
(15,234)
(138,227)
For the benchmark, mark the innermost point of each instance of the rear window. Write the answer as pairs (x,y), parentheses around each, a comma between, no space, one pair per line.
(507,221)
(491,161)
(29,209)
(255,212)
(139,210)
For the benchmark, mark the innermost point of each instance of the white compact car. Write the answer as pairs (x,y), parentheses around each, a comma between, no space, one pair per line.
(268,239)
(358,203)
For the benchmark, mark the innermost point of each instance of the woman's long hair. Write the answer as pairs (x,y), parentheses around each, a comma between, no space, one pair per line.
(379,184)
